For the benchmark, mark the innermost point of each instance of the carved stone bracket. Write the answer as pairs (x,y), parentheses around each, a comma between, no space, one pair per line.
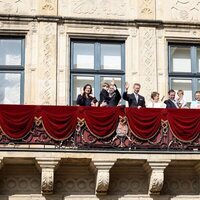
(1,162)
(102,169)
(156,171)
(47,167)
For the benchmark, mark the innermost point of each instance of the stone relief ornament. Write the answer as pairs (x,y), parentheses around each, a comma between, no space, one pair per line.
(98,7)
(47,181)
(187,10)
(11,6)
(146,7)
(156,181)
(102,182)
(49,5)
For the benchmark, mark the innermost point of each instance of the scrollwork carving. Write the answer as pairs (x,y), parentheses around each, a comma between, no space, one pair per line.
(156,181)
(47,181)
(102,182)
(187,10)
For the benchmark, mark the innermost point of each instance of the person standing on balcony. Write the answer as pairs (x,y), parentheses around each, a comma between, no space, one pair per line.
(114,95)
(104,95)
(86,98)
(196,104)
(171,102)
(134,99)
(155,103)
(181,101)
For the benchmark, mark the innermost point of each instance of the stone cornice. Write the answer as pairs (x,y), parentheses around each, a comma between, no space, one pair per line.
(110,22)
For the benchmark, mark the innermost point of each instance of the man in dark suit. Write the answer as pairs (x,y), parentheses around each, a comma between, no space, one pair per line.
(134,99)
(171,103)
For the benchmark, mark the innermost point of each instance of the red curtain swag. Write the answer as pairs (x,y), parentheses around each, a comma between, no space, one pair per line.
(60,122)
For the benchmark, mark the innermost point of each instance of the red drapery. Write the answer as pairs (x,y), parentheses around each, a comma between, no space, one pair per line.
(60,122)
(144,123)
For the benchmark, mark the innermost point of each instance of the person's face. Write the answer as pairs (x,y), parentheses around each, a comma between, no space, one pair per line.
(156,98)
(111,89)
(180,94)
(88,90)
(172,95)
(197,96)
(136,89)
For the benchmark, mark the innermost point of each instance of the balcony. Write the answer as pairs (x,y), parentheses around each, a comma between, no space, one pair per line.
(119,128)
(66,152)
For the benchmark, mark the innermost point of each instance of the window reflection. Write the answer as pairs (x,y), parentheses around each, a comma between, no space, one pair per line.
(10,88)
(10,52)
(111,56)
(83,56)
(181,59)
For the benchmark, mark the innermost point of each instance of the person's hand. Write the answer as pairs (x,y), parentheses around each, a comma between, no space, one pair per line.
(112,82)
(91,95)
(103,104)
(139,107)
(126,86)
(81,91)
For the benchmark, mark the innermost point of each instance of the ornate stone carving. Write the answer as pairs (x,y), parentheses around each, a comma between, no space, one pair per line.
(157,175)
(49,6)
(86,8)
(102,182)
(128,179)
(187,10)
(181,180)
(15,6)
(148,60)
(156,181)
(47,181)
(102,175)
(48,62)
(147,9)
(47,167)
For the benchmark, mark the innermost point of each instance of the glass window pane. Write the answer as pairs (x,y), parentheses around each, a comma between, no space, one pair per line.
(185,85)
(10,52)
(198,84)
(78,84)
(83,56)
(181,59)
(111,56)
(198,59)
(10,88)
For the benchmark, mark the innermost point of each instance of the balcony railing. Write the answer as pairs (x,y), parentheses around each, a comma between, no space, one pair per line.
(100,128)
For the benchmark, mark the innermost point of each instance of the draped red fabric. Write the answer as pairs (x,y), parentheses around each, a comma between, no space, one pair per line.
(101,121)
(184,123)
(144,123)
(16,120)
(59,121)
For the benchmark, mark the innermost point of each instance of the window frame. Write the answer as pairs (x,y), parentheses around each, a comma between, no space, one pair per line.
(18,69)
(97,72)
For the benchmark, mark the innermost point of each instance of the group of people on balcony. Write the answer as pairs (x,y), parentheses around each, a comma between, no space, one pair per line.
(110,96)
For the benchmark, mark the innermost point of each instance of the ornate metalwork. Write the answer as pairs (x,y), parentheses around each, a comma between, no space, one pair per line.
(121,139)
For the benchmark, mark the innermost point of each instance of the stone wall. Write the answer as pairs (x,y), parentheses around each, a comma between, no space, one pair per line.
(48,25)
(56,174)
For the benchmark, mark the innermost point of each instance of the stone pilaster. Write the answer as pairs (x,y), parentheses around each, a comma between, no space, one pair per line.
(102,171)
(47,167)
(156,172)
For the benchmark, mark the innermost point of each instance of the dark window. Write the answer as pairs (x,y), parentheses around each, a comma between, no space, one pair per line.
(95,62)
(11,70)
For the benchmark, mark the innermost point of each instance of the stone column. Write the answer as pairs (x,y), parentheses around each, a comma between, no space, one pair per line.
(102,171)
(156,172)
(47,167)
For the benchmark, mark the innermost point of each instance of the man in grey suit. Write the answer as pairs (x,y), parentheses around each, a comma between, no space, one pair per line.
(134,99)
